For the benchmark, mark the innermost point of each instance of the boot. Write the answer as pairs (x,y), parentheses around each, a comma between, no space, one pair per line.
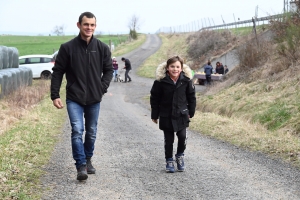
(90,168)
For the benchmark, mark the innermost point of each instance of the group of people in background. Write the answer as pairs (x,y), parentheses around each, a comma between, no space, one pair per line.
(209,70)
(127,67)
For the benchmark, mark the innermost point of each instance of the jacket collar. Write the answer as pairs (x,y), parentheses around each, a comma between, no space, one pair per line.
(161,72)
(83,41)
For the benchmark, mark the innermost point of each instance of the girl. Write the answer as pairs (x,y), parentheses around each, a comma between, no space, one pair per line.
(173,102)
(115,66)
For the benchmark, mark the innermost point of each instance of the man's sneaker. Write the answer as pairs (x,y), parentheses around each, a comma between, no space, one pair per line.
(170,165)
(90,168)
(82,173)
(180,162)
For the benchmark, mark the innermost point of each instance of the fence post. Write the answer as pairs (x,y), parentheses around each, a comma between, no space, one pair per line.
(254,28)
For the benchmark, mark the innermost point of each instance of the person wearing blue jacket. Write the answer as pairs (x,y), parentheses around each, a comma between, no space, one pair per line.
(208,70)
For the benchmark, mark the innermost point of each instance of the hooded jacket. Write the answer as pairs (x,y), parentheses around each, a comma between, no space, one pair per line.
(173,104)
(88,69)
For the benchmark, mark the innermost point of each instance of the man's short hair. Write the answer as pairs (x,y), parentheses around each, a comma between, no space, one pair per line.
(123,58)
(87,14)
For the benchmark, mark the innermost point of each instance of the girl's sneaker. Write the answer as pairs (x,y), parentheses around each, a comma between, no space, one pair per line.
(180,162)
(170,165)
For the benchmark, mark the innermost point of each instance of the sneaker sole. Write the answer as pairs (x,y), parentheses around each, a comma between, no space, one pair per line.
(169,171)
(91,172)
(82,177)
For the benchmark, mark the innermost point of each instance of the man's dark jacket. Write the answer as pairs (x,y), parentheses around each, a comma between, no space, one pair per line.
(127,64)
(173,103)
(88,70)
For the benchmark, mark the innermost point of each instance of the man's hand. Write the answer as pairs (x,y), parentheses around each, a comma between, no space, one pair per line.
(155,121)
(58,103)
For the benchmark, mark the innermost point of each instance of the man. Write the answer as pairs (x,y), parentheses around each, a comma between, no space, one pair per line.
(127,68)
(208,70)
(86,61)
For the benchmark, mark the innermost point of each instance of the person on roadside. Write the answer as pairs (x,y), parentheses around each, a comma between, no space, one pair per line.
(115,67)
(127,67)
(219,68)
(226,70)
(208,70)
(87,64)
(173,102)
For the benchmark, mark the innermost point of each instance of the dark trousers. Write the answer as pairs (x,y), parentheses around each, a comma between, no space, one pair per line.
(127,76)
(208,79)
(169,140)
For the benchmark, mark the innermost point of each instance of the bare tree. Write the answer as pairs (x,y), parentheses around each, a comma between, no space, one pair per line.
(134,25)
(59,30)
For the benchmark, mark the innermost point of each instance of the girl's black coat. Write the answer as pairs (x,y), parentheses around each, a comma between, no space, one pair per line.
(171,103)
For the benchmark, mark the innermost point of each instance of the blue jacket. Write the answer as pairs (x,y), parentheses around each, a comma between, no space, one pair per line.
(208,69)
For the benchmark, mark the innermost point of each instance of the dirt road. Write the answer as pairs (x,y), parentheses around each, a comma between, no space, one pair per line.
(129,157)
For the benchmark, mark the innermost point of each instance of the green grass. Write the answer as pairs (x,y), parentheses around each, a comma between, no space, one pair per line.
(26,147)
(49,44)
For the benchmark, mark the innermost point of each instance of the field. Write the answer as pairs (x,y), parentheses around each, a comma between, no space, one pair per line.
(49,44)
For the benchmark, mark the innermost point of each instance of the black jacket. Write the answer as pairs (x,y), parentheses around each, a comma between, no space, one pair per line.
(88,70)
(220,69)
(127,64)
(173,103)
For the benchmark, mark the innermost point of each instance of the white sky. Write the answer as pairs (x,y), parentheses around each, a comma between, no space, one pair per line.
(35,17)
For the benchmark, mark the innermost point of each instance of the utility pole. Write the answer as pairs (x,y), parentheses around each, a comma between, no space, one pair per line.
(285,6)
(234,21)
(256,11)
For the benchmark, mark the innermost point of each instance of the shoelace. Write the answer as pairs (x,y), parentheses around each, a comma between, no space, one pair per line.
(179,160)
(170,163)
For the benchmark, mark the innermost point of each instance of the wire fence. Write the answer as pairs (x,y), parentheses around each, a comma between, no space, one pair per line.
(206,25)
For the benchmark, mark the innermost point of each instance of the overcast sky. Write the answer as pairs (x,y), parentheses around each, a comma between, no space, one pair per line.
(41,16)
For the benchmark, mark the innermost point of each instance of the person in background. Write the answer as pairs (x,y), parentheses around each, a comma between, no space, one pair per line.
(173,102)
(87,64)
(226,70)
(219,68)
(127,67)
(115,67)
(208,70)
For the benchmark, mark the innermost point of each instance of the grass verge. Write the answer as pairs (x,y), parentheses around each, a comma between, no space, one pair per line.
(27,146)
(129,46)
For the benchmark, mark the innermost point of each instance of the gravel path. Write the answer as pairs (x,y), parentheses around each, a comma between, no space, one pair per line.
(129,157)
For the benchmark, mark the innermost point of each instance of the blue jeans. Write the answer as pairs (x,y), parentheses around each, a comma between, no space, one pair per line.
(115,74)
(82,150)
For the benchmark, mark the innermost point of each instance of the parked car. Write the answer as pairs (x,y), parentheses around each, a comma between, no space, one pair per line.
(54,55)
(40,65)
